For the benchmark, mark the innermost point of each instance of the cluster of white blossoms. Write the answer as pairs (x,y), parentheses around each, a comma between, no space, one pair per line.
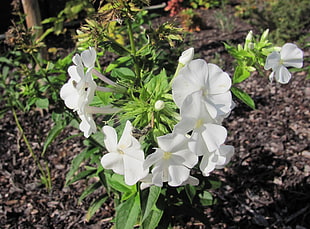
(200,90)
(202,93)
(80,89)
(289,56)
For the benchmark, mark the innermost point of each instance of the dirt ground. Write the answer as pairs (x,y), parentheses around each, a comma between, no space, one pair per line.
(267,184)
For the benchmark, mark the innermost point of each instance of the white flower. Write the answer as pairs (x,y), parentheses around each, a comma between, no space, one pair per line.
(216,159)
(186,56)
(289,56)
(124,157)
(212,84)
(171,161)
(206,135)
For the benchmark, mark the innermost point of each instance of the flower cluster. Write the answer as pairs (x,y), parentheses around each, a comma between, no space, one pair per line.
(202,93)
(80,89)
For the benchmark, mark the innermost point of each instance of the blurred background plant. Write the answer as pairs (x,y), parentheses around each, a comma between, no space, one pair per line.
(286,19)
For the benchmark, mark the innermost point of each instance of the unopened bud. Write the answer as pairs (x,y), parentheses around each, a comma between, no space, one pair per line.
(186,56)
(159,105)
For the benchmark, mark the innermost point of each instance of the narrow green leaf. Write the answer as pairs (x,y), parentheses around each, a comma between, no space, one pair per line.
(95,206)
(42,103)
(243,96)
(90,189)
(152,220)
(152,198)
(190,192)
(52,134)
(75,164)
(127,213)
(82,175)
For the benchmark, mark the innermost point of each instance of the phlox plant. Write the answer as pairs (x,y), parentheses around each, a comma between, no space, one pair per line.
(161,133)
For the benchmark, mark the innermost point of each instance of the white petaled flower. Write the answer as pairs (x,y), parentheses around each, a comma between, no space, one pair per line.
(216,159)
(124,157)
(206,135)
(210,82)
(186,56)
(289,56)
(172,161)
(79,91)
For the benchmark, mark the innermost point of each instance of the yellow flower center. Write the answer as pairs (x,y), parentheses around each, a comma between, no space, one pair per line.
(120,151)
(199,123)
(167,155)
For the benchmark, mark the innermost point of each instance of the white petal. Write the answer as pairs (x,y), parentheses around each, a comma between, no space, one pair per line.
(197,144)
(272,61)
(133,169)
(283,76)
(158,176)
(87,125)
(218,81)
(153,158)
(214,135)
(76,73)
(291,55)
(177,175)
(113,161)
(172,142)
(191,78)
(77,60)
(271,76)
(126,138)
(223,103)
(89,57)
(191,181)
(189,159)
(110,138)
(207,165)
(225,151)
(70,95)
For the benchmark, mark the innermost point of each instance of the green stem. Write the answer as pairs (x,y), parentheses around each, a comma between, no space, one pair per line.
(47,177)
(133,50)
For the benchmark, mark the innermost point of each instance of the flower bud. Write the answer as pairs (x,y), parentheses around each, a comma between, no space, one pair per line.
(186,56)
(159,105)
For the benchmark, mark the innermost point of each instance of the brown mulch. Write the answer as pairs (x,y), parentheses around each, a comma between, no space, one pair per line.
(266,185)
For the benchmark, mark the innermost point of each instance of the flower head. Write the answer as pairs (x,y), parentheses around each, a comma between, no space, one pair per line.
(124,157)
(289,56)
(171,161)
(209,81)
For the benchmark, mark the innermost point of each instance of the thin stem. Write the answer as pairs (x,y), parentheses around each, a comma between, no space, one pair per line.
(46,177)
(133,49)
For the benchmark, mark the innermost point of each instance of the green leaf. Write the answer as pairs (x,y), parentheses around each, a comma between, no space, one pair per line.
(241,74)
(90,189)
(152,198)
(75,164)
(127,213)
(95,205)
(243,96)
(52,134)
(116,181)
(190,192)
(125,73)
(206,198)
(117,63)
(152,214)
(42,103)
(82,175)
